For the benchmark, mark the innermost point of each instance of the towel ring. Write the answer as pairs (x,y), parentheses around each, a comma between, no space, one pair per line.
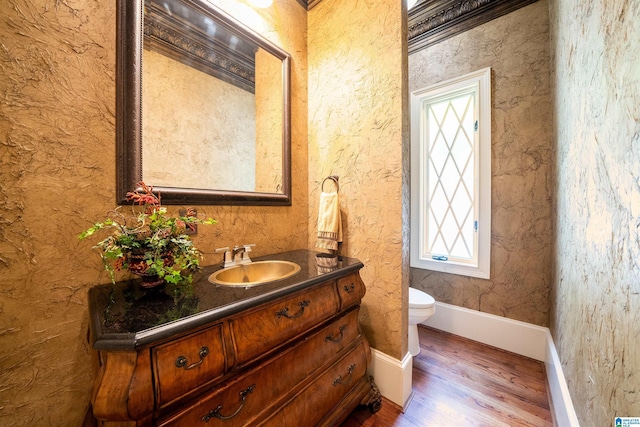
(333,178)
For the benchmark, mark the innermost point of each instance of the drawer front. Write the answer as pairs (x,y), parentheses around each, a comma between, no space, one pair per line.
(245,400)
(234,405)
(325,393)
(260,331)
(351,289)
(183,365)
(334,338)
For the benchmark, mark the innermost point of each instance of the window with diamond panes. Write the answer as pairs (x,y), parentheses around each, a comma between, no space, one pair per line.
(451,182)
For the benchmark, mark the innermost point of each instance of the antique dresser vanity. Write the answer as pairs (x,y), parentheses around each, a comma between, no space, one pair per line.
(285,353)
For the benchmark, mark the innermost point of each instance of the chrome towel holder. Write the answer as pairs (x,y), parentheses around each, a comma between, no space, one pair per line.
(333,178)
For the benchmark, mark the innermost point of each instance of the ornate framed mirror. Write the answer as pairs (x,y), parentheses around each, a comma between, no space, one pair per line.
(202,106)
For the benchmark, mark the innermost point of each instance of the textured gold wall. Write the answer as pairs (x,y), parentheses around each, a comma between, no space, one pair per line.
(357,96)
(516,47)
(57,176)
(596,300)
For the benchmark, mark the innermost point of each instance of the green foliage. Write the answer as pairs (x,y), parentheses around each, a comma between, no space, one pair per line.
(150,242)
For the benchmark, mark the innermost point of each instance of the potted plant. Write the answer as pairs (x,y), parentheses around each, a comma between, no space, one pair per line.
(150,243)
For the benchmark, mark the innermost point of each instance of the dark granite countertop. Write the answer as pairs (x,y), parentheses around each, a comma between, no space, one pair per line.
(124,317)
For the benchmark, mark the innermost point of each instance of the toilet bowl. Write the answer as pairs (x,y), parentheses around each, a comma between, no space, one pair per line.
(421,307)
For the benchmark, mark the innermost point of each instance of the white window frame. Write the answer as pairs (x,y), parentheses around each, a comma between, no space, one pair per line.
(481,81)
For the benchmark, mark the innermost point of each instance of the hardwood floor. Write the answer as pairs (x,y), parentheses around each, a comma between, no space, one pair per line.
(457,381)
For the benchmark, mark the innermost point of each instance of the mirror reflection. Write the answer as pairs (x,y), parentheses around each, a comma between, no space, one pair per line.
(214,108)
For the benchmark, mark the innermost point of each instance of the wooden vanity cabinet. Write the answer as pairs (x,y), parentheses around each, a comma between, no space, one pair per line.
(298,360)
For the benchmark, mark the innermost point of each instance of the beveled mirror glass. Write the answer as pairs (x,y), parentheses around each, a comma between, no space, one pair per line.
(202,107)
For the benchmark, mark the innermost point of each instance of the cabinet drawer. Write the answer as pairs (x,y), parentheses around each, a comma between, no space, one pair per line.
(351,289)
(314,403)
(260,331)
(234,405)
(183,365)
(246,399)
(335,337)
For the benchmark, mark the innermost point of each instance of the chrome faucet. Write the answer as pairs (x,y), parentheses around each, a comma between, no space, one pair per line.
(235,256)
(237,251)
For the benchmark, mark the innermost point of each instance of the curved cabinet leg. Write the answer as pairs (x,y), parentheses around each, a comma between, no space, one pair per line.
(374,399)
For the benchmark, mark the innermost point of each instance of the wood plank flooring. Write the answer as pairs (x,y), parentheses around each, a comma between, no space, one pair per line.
(457,381)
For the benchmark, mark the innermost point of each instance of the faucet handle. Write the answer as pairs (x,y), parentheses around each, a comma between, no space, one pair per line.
(226,259)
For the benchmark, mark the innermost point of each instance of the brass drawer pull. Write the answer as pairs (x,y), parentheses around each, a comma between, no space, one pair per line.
(339,380)
(337,339)
(350,288)
(181,362)
(215,413)
(285,311)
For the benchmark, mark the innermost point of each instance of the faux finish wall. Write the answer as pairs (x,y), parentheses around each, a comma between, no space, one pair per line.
(596,299)
(516,47)
(57,176)
(357,96)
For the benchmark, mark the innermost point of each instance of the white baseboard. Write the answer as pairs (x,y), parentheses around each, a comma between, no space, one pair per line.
(511,335)
(517,337)
(562,408)
(392,376)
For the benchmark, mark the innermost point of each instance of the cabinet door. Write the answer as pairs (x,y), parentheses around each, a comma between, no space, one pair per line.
(185,364)
(262,330)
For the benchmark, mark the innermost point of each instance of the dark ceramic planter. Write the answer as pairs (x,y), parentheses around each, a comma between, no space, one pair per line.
(138,266)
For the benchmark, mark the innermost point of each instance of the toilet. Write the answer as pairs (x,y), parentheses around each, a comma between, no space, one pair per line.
(421,307)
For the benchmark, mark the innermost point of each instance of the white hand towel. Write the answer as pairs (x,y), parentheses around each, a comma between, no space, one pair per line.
(329,222)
